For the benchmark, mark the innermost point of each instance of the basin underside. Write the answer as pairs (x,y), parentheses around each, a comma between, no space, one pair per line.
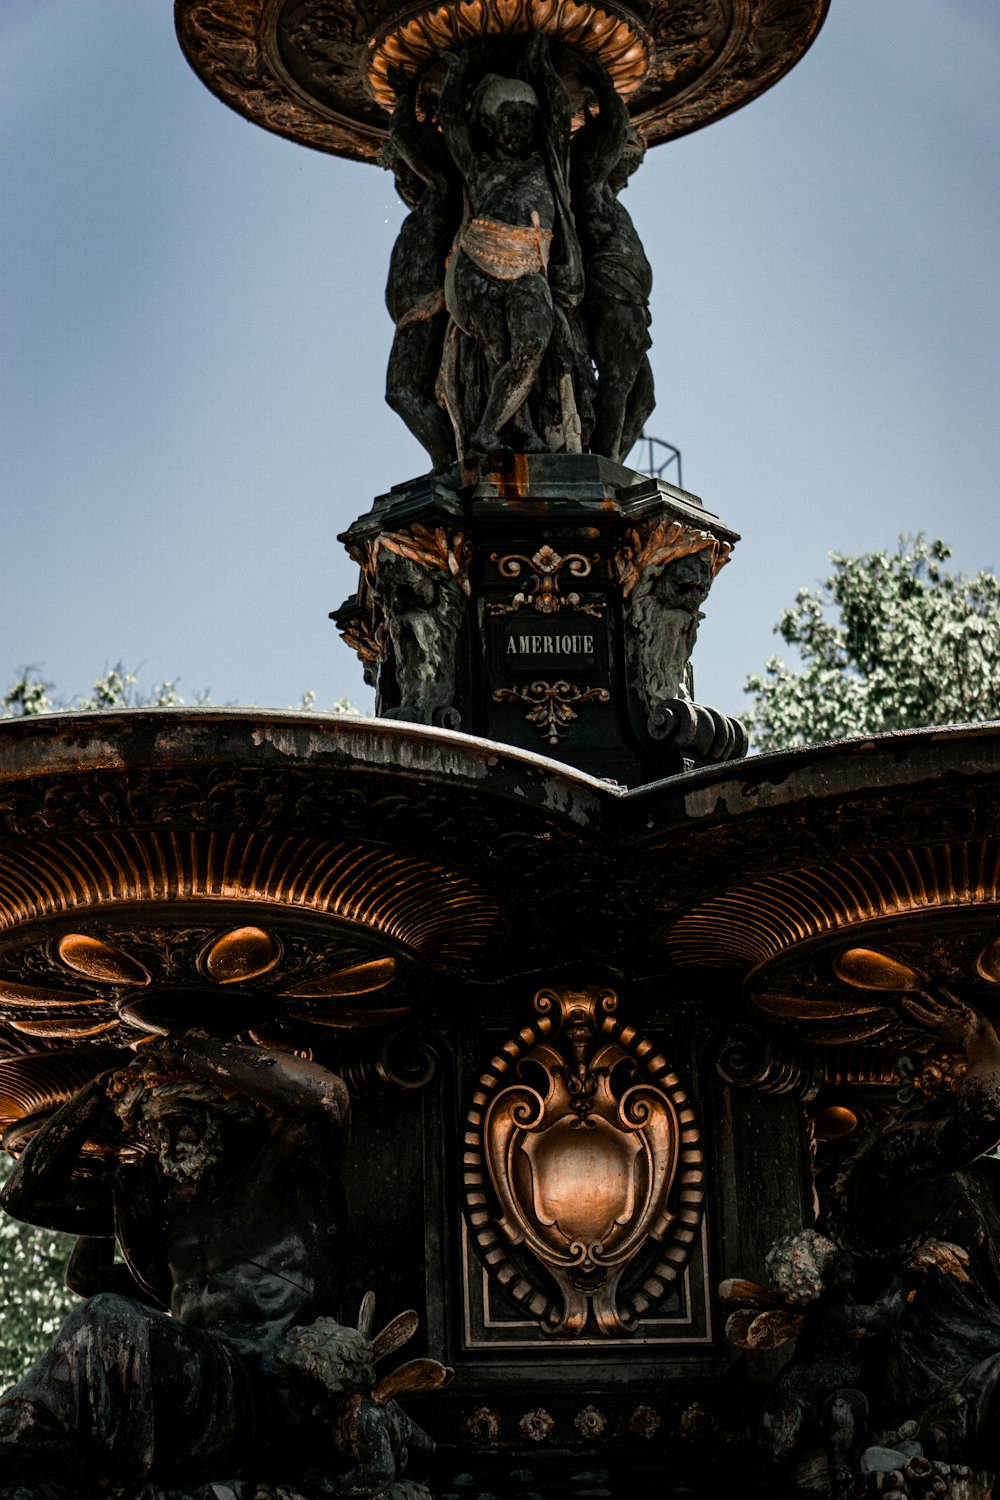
(298,879)
(320,71)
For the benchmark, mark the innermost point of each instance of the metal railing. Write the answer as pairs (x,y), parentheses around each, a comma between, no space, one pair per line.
(657,464)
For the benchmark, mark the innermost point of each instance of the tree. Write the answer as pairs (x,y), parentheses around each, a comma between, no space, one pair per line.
(29,695)
(913,645)
(33,1298)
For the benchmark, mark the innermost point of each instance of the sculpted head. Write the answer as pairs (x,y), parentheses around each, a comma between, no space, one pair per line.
(180,1119)
(630,160)
(325,1363)
(507,110)
(804,1266)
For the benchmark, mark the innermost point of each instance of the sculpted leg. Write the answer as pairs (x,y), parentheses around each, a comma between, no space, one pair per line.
(529,326)
(522,423)
(413,369)
(641,402)
(84,1416)
(619,348)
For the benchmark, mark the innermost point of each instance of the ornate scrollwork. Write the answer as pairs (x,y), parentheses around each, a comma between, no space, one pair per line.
(406,900)
(401,1060)
(581,1149)
(750,1059)
(543,593)
(551,709)
(835,898)
(431,547)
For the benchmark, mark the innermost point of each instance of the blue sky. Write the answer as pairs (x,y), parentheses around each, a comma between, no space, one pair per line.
(194,343)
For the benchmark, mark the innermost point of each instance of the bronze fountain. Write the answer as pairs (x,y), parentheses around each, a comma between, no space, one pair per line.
(610,1059)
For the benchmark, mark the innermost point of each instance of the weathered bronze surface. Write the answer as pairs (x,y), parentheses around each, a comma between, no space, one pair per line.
(761,1084)
(484,623)
(210,1352)
(321,72)
(579,890)
(518,285)
(581,1149)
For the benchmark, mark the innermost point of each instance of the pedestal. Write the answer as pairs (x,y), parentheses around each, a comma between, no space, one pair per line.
(546,601)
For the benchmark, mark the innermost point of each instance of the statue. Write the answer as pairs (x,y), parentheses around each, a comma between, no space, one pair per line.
(617,274)
(175,1371)
(927,1173)
(421,588)
(819,1395)
(546,276)
(666,570)
(515,246)
(414,294)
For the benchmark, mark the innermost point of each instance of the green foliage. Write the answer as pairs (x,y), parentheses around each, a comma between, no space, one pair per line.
(307,705)
(119,689)
(29,694)
(33,1299)
(890,641)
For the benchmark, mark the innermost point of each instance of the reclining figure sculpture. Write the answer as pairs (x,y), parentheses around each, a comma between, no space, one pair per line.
(209,1353)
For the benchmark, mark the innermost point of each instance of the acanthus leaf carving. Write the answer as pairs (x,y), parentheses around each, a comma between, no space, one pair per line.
(551,705)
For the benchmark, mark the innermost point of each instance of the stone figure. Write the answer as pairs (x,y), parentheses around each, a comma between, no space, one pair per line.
(427,183)
(332,1385)
(664,610)
(515,246)
(423,606)
(231,1224)
(666,571)
(618,277)
(928,1173)
(819,1396)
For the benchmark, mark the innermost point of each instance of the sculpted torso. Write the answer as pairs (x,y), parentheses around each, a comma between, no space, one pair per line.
(416,266)
(511,190)
(252,1273)
(606,229)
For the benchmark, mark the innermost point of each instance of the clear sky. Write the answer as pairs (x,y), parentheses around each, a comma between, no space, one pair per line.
(194,343)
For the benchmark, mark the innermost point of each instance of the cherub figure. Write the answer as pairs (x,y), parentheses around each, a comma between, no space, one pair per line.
(427,183)
(330,1372)
(618,276)
(512,153)
(811,1299)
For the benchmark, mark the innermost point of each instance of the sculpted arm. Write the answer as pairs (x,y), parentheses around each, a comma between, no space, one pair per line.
(451,113)
(417,145)
(284,1084)
(41,1189)
(557,110)
(92,1268)
(601,142)
(923,1150)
